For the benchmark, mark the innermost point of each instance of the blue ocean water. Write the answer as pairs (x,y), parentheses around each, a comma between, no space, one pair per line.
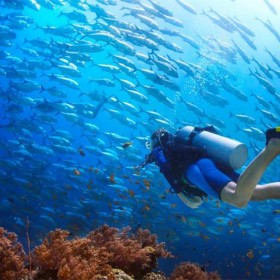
(76,114)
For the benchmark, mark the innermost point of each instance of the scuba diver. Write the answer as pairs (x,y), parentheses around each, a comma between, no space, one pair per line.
(193,175)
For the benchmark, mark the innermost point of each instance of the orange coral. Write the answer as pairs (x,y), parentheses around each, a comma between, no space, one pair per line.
(49,255)
(71,259)
(186,270)
(99,252)
(12,257)
(191,271)
(94,257)
(83,261)
(214,276)
(134,254)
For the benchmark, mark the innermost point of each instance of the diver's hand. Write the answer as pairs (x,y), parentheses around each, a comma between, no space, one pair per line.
(158,156)
(192,202)
(161,160)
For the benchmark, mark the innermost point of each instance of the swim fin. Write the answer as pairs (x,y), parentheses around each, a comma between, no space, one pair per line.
(272,133)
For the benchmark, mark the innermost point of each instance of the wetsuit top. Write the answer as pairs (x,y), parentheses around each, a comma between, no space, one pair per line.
(173,158)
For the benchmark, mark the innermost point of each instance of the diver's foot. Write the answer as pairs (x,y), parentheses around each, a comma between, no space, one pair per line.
(273,141)
(273,146)
(272,133)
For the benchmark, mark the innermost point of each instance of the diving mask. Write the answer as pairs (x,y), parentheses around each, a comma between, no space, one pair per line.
(151,144)
(158,138)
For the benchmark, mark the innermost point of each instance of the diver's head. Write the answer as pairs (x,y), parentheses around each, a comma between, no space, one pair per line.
(158,139)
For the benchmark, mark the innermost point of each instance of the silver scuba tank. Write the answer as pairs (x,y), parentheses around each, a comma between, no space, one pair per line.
(220,149)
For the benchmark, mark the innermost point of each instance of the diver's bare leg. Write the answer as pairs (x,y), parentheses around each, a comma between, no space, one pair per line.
(266,191)
(239,194)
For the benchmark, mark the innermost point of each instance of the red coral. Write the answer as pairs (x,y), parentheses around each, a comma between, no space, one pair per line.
(191,271)
(50,253)
(71,259)
(214,276)
(83,261)
(99,252)
(135,254)
(12,257)
(93,257)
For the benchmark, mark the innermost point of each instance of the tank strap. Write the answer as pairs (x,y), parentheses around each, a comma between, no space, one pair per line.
(198,130)
(194,132)
(190,189)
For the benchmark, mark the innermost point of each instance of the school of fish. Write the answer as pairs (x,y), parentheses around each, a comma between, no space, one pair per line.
(84,84)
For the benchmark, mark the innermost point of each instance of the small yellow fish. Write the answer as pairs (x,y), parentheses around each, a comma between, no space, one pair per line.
(112,179)
(147,207)
(77,172)
(147,184)
(131,193)
(250,254)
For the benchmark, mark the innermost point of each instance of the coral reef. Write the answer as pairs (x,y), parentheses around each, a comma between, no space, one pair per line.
(191,271)
(71,259)
(135,254)
(106,253)
(12,257)
(98,253)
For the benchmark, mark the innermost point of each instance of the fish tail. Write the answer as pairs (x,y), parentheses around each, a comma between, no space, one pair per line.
(150,57)
(109,55)
(115,77)
(251,72)
(266,49)
(36,26)
(138,83)
(42,88)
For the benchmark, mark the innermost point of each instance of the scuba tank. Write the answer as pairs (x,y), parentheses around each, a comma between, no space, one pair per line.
(222,150)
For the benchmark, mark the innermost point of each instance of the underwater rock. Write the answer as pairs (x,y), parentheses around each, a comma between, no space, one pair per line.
(154,276)
(121,275)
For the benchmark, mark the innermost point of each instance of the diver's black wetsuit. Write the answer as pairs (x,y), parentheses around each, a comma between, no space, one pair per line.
(173,157)
(187,168)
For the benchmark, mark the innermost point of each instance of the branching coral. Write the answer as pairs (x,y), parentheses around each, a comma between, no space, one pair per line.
(50,253)
(191,271)
(135,254)
(12,257)
(214,276)
(188,271)
(94,257)
(71,259)
(99,252)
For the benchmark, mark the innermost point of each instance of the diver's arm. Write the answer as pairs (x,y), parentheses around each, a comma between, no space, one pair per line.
(193,202)
(149,158)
